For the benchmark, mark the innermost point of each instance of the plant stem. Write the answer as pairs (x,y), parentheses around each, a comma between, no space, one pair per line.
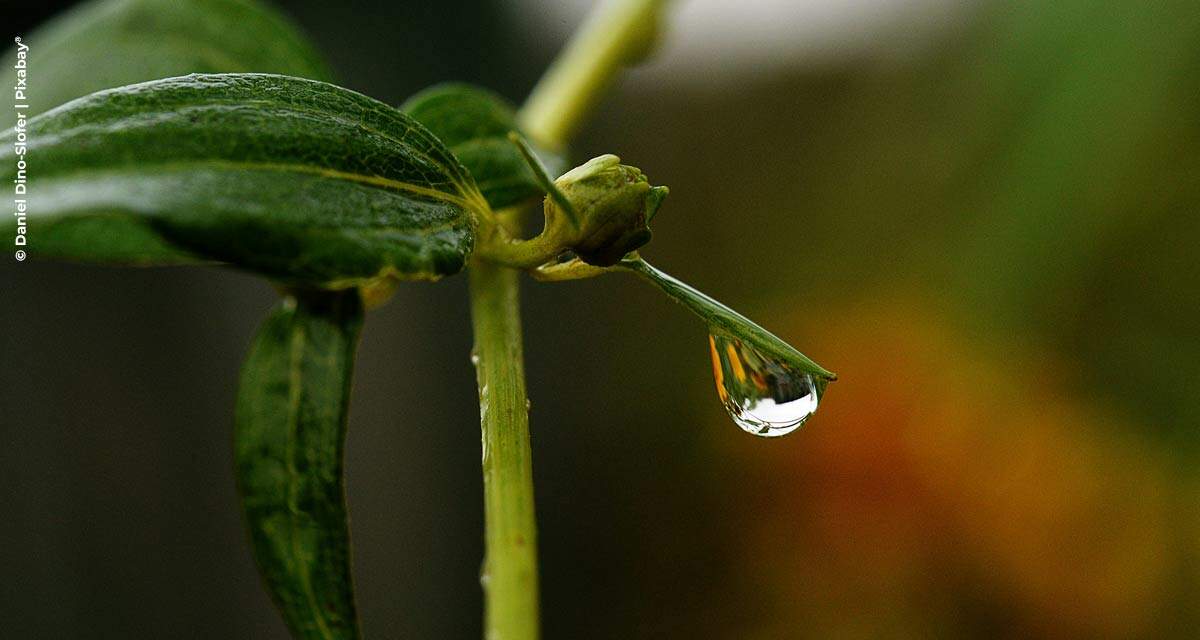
(616,34)
(509,576)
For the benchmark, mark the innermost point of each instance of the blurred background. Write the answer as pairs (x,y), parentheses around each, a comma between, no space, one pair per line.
(982,215)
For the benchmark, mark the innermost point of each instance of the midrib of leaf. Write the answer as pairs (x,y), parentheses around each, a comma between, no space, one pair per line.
(375,181)
(296,382)
(458,175)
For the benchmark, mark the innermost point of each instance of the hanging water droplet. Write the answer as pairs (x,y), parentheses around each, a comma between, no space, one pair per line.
(764,397)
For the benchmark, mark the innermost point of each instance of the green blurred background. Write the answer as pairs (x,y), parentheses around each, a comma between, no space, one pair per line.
(983,216)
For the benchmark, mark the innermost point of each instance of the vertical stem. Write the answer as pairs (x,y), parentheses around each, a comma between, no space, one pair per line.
(509,575)
(616,34)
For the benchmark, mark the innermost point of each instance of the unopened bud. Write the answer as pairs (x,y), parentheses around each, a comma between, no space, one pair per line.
(614,202)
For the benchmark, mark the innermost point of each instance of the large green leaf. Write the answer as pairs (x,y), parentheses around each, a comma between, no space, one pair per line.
(300,180)
(290,430)
(110,43)
(475,124)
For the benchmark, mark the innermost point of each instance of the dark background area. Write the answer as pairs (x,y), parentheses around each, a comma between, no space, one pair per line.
(991,239)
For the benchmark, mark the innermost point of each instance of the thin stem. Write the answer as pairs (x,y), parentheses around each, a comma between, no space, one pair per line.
(509,576)
(616,34)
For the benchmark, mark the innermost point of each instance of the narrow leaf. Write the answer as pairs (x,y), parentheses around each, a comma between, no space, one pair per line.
(111,43)
(289,436)
(543,177)
(725,321)
(475,124)
(299,180)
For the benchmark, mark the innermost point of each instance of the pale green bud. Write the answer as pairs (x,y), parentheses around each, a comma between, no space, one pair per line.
(614,202)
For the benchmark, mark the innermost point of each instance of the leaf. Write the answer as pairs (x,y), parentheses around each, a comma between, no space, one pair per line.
(111,43)
(475,124)
(299,180)
(719,318)
(289,437)
(725,321)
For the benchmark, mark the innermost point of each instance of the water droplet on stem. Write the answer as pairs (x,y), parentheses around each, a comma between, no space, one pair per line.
(764,397)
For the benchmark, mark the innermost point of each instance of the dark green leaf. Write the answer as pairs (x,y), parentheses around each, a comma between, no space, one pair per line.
(111,43)
(475,124)
(288,448)
(300,180)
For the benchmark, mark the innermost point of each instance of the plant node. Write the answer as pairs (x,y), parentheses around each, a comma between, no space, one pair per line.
(600,211)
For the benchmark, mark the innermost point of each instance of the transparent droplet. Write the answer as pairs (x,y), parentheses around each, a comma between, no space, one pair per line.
(763,396)
(485,576)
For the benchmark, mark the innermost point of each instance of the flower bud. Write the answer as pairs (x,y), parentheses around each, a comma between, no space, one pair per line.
(614,202)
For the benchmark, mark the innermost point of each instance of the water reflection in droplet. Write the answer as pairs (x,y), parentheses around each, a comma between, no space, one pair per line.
(764,397)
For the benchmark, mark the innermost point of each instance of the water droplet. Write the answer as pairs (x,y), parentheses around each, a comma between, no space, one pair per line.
(474,357)
(485,576)
(764,397)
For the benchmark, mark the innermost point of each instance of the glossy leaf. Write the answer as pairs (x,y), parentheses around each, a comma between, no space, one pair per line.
(290,430)
(110,43)
(299,180)
(475,124)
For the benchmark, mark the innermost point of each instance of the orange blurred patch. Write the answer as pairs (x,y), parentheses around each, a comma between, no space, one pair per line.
(941,488)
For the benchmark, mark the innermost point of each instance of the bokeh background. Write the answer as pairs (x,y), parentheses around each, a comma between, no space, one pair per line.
(982,215)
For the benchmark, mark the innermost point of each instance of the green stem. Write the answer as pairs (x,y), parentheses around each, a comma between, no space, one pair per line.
(616,34)
(510,576)
(613,36)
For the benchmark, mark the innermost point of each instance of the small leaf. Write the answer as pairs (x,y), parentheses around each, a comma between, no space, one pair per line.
(111,43)
(725,321)
(299,180)
(289,437)
(475,124)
